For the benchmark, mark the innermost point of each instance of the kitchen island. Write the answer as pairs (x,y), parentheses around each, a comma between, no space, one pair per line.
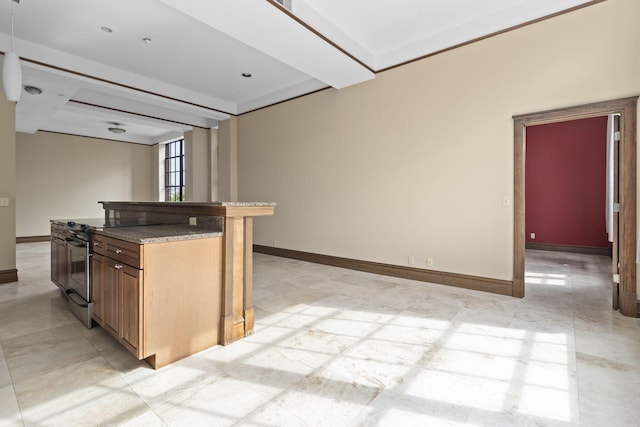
(179,284)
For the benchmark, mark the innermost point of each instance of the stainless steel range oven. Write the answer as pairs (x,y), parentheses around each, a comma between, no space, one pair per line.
(78,291)
(79,278)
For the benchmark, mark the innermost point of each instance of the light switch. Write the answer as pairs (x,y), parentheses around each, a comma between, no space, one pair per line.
(4,201)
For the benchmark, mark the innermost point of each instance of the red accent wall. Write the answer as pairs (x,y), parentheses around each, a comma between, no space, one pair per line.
(566,183)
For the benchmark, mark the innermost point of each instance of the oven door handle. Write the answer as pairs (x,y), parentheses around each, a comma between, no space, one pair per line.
(75,298)
(75,242)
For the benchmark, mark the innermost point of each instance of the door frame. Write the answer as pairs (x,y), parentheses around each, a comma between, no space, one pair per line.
(627,108)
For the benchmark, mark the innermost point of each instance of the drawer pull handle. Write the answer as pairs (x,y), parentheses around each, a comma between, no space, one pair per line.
(96,244)
(118,251)
(118,266)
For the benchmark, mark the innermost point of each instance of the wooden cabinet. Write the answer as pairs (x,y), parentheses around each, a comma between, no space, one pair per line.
(117,289)
(161,301)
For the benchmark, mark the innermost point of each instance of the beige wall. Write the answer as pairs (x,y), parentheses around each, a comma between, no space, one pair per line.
(62,176)
(417,161)
(7,184)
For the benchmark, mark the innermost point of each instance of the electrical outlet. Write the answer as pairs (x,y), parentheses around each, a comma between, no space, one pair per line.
(275,243)
(505,200)
(411,260)
(533,236)
(4,201)
(193,220)
(429,262)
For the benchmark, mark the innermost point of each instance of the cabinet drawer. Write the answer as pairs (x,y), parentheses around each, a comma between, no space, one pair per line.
(119,250)
(99,244)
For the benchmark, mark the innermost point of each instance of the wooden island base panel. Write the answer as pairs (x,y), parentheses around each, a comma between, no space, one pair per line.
(169,289)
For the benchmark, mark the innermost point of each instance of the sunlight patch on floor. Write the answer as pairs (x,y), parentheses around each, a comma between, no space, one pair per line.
(497,370)
(546,279)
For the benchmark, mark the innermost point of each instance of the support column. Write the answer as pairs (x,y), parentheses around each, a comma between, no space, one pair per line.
(234,281)
(198,171)
(248,276)
(213,165)
(228,160)
(8,271)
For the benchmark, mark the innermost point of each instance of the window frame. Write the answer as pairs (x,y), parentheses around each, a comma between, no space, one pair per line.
(174,171)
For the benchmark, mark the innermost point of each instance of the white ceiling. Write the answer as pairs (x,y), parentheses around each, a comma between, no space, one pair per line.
(191,72)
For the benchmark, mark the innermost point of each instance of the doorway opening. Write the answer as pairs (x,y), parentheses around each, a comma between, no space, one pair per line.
(625,291)
(566,186)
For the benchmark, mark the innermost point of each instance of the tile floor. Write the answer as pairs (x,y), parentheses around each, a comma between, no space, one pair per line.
(334,347)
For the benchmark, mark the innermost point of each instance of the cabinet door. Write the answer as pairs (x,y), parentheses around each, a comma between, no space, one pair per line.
(55,274)
(59,263)
(63,264)
(97,287)
(130,299)
(110,293)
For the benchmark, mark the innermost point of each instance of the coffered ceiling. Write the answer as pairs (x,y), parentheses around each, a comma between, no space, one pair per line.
(194,68)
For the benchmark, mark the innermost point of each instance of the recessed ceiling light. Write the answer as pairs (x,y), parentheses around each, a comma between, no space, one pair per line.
(106,29)
(147,40)
(247,75)
(32,90)
(116,128)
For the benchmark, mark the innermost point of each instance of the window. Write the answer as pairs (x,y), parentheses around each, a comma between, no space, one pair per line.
(174,171)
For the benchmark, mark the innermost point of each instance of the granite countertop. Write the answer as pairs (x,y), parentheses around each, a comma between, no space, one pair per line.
(158,233)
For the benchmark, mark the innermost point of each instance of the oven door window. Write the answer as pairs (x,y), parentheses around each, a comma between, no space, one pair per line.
(78,267)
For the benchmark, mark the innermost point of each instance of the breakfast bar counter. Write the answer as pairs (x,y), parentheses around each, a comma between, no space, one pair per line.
(179,284)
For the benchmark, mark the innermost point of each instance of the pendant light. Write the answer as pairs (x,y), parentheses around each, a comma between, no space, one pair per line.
(11,72)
